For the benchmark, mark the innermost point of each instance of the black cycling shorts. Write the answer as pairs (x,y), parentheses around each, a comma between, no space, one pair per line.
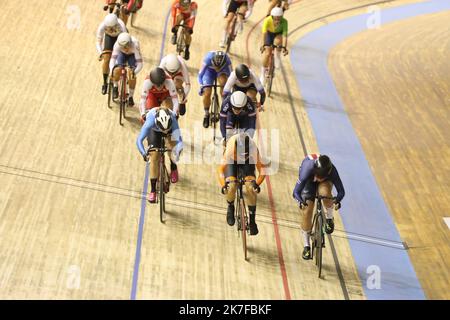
(245,89)
(234,6)
(247,169)
(109,42)
(154,140)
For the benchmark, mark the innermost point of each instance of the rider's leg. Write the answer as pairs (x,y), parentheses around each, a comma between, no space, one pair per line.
(123,16)
(273,4)
(268,41)
(230,196)
(242,9)
(173,166)
(278,41)
(228,20)
(167,103)
(308,193)
(251,93)
(131,79)
(222,80)
(251,202)
(188,37)
(324,189)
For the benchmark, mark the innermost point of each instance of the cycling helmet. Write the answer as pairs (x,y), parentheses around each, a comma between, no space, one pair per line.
(111,20)
(242,72)
(219,59)
(163,119)
(124,39)
(323,166)
(238,99)
(276,12)
(172,63)
(157,76)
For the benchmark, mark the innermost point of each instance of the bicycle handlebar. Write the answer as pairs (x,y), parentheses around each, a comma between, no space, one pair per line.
(181,25)
(162,150)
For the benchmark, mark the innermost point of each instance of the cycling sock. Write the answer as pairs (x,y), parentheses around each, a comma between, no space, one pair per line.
(230,203)
(252,210)
(206,112)
(187,47)
(306,238)
(131,92)
(153,185)
(329,213)
(105,78)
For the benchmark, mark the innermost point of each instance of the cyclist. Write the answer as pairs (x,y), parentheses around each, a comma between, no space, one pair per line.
(243,79)
(126,51)
(107,34)
(186,11)
(284,4)
(158,89)
(275,31)
(317,174)
(133,6)
(160,123)
(243,9)
(241,152)
(216,66)
(237,112)
(176,67)
(123,12)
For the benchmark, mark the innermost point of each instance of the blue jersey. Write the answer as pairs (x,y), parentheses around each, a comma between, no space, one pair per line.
(246,119)
(150,126)
(208,68)
(306,173)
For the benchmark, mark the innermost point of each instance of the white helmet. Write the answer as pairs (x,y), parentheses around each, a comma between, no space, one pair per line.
(124,39)
(163,119)
(276,12)
(111,20)
(172,63)
(238,99)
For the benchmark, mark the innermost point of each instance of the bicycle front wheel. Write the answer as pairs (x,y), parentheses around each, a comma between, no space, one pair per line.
(215,114)
(180,43)
(318,234)
(270,77)
(110,89)
(162,199)
(243,215)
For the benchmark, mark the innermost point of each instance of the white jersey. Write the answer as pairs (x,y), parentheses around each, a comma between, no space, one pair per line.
(135,48)
(101,31)
(148,86)
(183,73)
(233,80)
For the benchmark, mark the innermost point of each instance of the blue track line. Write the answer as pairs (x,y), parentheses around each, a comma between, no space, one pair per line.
(364,210)
(137,259)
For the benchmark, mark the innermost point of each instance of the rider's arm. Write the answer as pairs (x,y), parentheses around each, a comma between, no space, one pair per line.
(251,116)
(170,85)
(191,20)
(229,84)
(259,87)
(250,4)
(261,170)
(144,93)
(114,56)
(138,56)
(228,65)
(174,13)
(334,177)
(186,78)
(143,134)
(176,136)
(202,71)
(285,32)
(228,158)
(100,35)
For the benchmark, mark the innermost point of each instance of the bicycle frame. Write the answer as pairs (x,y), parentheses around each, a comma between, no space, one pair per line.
(241,211)
(181,45)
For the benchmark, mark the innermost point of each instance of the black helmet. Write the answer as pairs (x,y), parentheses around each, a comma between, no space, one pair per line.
(323,166)
(158,76)
(242,72)
(219,59)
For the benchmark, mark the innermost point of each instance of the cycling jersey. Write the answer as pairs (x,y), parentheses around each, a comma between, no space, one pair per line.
(150,126)
(135,50)
(306,174)
(230,158)
(268,26)
(246,119)
(149,89)
(182,73)
(101,33)
(253,80)
(234,5)
(208,74)
(189,14)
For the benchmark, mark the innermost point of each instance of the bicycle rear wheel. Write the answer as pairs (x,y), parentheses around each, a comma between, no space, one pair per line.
(215,114)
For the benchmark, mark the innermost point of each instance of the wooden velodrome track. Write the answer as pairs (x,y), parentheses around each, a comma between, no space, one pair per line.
(70,197)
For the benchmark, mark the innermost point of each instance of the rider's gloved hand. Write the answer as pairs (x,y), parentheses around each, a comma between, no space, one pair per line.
(337,204)
(145,157)
(285,51)
(189,30)
(303,205)
(225,188)
(174,30)
(256,187)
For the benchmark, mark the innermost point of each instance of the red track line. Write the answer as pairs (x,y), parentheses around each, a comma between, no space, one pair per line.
(270,194)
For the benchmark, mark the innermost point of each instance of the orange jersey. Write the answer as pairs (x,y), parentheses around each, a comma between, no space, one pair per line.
(188,13)
(230,158)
